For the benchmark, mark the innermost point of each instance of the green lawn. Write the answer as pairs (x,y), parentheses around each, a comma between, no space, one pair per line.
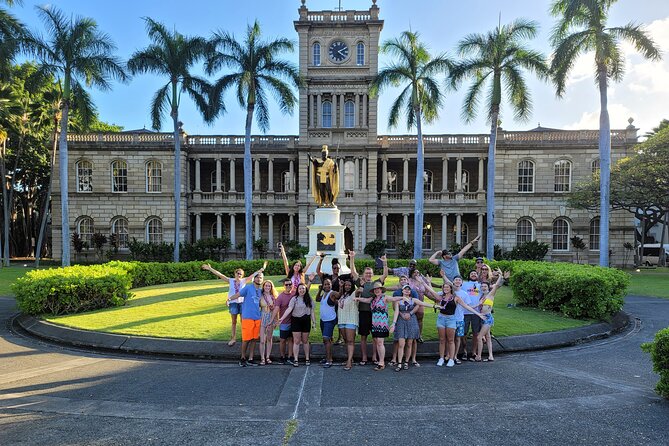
(650,282)
(8,276)
(195,310)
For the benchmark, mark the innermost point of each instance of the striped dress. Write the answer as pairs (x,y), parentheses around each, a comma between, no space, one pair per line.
(380,328)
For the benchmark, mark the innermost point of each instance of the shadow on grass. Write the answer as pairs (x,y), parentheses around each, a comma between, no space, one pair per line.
(166,317)
(173,296)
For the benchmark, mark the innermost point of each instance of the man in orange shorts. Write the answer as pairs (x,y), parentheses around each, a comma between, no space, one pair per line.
(250,317)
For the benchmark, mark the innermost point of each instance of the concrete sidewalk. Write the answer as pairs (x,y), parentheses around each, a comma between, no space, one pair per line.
(220,350)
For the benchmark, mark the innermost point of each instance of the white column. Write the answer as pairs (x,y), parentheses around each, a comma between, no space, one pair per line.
(291,226)
(341,110)
(334,111)
(480,175)
(384,226)
(444,230)
(218,174)
(270,178)
(291,175)
(405,177)
(458,177)
(365,100)
(341,175)
(270,230)
(364,174)
(479,233)
(458,229)
(384,175)
(311,109)
(444,174)
(197,175)
(356,233)
(232,175)
(405,227)
(364,231)
(219,225)
(356,115)
(232,230)
(257,227)
(188,175)
(198,227)
(319,100)
(356,184)
(256,175)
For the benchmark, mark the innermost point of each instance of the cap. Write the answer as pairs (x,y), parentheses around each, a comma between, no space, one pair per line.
(412,261)
(406,286)
(446,252)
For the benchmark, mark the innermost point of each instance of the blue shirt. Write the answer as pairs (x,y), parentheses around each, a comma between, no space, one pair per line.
(450,267)
(414,294)
(251,304)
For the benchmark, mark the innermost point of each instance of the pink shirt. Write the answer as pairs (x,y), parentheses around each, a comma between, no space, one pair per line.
(283,301)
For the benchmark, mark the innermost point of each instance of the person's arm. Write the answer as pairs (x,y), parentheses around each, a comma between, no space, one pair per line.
(363,299)
(233,297)
(284,258)
(261,270)
(495,287)
(396,313)
(207,267)
(306,268)
(309,279)
(423,304)
(393,298)
(354,272)
(467,247)
(432,295)
(433,258)
(318,267)
(383,277)
(289,310)
(462,303)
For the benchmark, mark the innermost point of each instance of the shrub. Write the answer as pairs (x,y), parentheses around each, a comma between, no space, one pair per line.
(294,250)
(405,249)
(533,250)
(376,248)
(659,353)
(72,290)
(578,291)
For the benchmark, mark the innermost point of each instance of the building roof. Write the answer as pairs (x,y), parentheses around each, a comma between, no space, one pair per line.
(539,128)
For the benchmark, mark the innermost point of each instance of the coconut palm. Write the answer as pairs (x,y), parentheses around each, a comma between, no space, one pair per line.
(496,61)
(76,51)
(11,34)
(173,55)
(582,28)
(420,100)
(256,72)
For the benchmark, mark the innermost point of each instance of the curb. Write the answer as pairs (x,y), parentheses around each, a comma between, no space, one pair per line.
(220,350)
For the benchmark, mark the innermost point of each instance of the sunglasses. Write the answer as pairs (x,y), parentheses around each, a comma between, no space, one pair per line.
(287,284)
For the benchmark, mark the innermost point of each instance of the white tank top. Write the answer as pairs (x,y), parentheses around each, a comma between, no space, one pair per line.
(328,313)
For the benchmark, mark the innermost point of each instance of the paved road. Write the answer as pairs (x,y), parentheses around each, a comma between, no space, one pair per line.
(597,393)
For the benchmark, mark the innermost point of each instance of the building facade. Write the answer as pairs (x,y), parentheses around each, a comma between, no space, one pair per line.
(123,183)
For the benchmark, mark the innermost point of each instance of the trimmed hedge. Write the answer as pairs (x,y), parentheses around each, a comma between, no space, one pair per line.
(72,290)
(577,291)
(659,353)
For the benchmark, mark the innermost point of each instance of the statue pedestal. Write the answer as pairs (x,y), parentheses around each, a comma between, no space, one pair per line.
(326,235)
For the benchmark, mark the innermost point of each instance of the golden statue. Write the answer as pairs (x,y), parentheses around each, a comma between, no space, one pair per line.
(324,179)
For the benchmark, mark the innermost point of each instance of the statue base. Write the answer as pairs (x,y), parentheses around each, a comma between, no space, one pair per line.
(326,235)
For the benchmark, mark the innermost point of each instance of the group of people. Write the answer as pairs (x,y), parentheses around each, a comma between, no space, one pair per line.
(358,304)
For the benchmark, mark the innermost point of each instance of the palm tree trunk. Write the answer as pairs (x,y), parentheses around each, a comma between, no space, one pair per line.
(605,169)
(419,205)
(5,206)
(64,195)
(248,185)
(177,182)
(10,198)
(45,207)
(490,190)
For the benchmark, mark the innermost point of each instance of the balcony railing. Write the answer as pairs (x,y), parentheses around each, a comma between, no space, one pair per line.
(433,197)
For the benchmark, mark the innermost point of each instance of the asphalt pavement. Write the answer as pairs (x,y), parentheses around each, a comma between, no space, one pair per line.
(596,393)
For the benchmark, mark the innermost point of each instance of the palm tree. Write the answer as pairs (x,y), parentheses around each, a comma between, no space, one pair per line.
(11,34)
(420,101)
(76,51)
(495,61)
(173,55)
(582,28)
(256,72)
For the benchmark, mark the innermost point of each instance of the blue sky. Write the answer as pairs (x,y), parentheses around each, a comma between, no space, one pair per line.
(642,95)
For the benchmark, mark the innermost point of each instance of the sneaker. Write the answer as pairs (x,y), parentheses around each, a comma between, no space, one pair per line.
(322,361)
(327,365)
(440,362)
(289,361)
(450,363)
(242,363)
(281,360)
(251,362)
(420,340)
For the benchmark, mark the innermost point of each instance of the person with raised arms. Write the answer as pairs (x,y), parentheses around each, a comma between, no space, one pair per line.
(295,272)
(251,317)
(301,311)
(347,315)
(328,317)
(285,333)
(267,320)
(449,262)
(365,284)
(487,301)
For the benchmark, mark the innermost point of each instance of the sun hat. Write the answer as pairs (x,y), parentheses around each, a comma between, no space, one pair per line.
(378,284)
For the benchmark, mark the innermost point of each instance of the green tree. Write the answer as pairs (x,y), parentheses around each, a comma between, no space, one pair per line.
(256,71)
(582,28)
(496,61)
(173,55)
(76,51)
(420,100)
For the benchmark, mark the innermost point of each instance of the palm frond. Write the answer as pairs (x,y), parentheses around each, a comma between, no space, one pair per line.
(159,105)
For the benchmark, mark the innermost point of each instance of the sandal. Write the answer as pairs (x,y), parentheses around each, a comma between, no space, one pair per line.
(262,362)
(347,368)
(398,368)
(362,363)
(415,364)
(392,363)
(307,362)
(457,361)
(406,366)
(268,361)
(379,367)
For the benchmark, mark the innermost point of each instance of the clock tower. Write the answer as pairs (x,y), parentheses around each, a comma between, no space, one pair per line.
(338,53)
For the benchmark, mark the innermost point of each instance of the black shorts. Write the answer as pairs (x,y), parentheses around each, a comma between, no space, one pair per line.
(364,323)
(285,334)
(300,324)
(474,321)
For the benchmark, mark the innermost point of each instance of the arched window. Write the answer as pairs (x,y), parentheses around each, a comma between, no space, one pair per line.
(392,235)
(154,176)
(524,231)
(428,178)
(119,176)
(526,176)
(154,230)
(465,181)
(285,181)
(327,114)
(214,232)
(212,181)
(392,181)
(317,54)
(360,55)
(594,166)
(349,175)
(560,234)
(284,232)
(464,232)
(84,176)
(594,234)
(427,236)
(562,176)
(349,114)
(85,229)
(119,228)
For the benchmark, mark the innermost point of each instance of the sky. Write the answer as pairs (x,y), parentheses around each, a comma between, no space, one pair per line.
(642,95)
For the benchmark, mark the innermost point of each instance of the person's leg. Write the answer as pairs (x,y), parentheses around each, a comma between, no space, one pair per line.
(375,356)
(400,350)
(363,348)
(489,344)
(414,350)
(450,336)
(305,343)
(233,330)
(244,347)
(442,342)
(263,340)
(479,343)
(268,343)
(297,338)
(408,346)
(470,353)
(252,347)
(395,347)
(476,336)
(419,316)
(349,338)
(381,351)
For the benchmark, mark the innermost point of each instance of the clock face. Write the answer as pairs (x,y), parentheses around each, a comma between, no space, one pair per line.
(338,51)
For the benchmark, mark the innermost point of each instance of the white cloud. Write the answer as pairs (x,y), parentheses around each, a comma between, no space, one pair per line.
(618,116)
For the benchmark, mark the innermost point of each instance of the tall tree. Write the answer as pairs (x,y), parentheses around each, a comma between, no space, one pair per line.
(173,55)
(496,61)
(582,28)
(76,51)
(420,100)
(256,71)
